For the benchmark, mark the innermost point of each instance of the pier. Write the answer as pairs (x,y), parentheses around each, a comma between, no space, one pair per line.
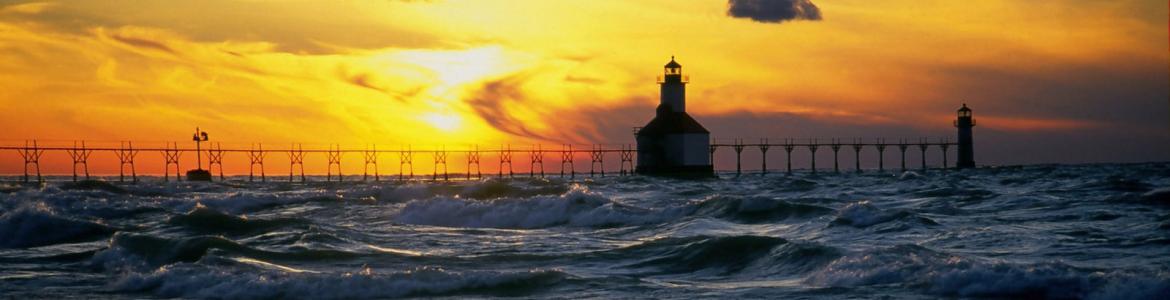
(33,152)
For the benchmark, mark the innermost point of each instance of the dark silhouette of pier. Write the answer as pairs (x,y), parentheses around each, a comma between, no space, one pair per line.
(441,157)
(834,145)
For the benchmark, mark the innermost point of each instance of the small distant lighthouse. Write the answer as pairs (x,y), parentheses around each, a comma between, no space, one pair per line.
(673,143)
(966,151)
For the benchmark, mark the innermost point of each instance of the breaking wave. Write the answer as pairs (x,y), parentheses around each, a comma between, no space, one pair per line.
(37,225)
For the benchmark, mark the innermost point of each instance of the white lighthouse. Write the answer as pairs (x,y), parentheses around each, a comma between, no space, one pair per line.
(673,143)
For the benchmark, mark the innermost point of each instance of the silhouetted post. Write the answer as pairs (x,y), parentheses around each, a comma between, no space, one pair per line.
(171,155)
(334,159)
(296,156)
(126,154)
(80,156)
(405,158)
(812,148)
(440,159)
(902,146)
(922,146)
(836,146)
(506,158)
(627,158)
(965,123)
(215,158)
(32,156)
(713,148)
(881,147)
(857,155)
(788,156)
(371,158)
(945,144)
(567,159)
(535,156)
(596,156)
(738,146)
(764,156)
(473,158)
(256,157)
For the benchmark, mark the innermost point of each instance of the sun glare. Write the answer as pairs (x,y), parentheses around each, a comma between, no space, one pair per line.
(443,122)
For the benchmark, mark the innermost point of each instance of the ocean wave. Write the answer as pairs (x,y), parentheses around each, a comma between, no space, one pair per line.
(1157,196)
(943,274)
(755,209)
(203,219)
(197,281)
(577,207)
(580,207)
(864,214)
(483,189)
(36,224)
(94,185)
(139,251)
(247,201)
(724,255)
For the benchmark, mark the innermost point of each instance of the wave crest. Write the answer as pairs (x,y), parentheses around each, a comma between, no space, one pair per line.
(578,207)
(38,225)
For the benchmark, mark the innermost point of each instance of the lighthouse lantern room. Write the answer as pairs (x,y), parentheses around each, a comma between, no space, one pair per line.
(673,143)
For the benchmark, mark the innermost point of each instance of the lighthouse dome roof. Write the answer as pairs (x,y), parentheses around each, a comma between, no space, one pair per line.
(672,63)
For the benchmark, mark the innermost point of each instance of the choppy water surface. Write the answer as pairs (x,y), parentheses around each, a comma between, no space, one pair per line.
(1092,231)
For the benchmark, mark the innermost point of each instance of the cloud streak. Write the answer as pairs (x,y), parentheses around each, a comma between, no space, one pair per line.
(773,11)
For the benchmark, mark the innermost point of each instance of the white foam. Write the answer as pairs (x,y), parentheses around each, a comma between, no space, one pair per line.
(578,207)
(864,214)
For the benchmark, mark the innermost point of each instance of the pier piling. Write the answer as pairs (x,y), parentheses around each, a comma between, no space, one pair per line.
(296,156)
(440,159)
(256,158)
(405,158)
(596,159)
(535,157)
(473,158)
(788,148)
(812,148)
(32,156)
(334,156)
(371,158)
(902,146)
(567,159)
(215,158)
(80,156)
(836,146)
(126,154)
(922,146)
(738,155)
(857,155)
(764,156)
(171,155)
(627,156)
(506,158)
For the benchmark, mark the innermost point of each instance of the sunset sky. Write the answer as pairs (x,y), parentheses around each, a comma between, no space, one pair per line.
(1066,81)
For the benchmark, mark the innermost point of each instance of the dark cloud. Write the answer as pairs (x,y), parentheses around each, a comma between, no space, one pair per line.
(142,43)
(491,105)
(773,11)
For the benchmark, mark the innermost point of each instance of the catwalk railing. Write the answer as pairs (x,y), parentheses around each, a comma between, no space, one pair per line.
(441,157)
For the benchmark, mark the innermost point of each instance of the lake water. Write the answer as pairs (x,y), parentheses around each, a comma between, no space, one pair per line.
(1055,231)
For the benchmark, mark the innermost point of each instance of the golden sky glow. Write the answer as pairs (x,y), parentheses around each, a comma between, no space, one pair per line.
(520,71)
